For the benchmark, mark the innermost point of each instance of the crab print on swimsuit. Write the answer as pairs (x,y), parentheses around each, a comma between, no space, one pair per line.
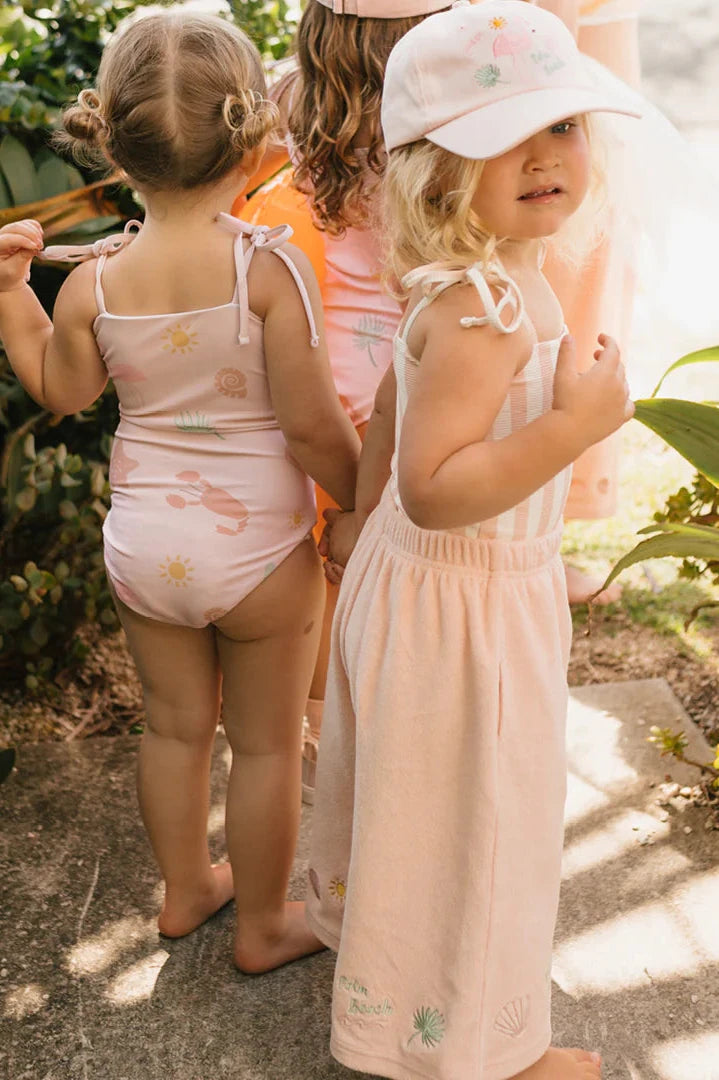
(216,500)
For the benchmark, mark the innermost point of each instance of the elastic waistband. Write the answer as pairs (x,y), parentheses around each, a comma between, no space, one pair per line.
(480,555)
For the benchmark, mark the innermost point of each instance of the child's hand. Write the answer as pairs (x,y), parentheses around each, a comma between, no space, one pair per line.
(597,401)
(338,540)
(20,242)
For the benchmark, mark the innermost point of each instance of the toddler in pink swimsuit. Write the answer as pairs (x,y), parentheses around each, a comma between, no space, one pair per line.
(446,693)
(212,332)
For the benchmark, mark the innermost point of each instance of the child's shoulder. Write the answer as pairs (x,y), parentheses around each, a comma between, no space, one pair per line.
(271,281)
(76,298)
(458,317)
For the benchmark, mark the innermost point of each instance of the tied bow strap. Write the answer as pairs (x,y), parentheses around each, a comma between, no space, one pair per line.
(434,280)
(268,239)
(77,253)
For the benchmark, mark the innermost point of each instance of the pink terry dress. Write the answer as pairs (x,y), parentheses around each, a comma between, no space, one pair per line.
(446,690)
(206,499)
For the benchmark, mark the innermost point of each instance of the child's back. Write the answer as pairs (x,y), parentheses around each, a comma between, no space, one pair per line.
(199,453)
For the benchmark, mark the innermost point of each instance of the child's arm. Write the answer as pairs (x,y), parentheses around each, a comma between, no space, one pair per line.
(449,474)
(57,362)
(319,433)
(374,470)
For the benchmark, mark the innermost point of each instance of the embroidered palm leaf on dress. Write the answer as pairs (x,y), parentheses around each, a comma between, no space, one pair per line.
(429,1024)
(196,423)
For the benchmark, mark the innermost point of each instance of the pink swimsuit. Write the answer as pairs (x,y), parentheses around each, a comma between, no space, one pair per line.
(206,499)
(360,319)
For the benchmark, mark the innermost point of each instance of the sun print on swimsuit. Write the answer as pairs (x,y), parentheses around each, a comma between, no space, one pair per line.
(177,571)
(180,339)
(338,889)
(430,1025)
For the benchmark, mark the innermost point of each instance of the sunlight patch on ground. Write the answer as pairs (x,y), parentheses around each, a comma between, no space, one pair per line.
(96,953)
(619,835)
(582,799)
(137,982)
(24,1001)
(216,819)
(693,1058)
(593,747)
(676,936)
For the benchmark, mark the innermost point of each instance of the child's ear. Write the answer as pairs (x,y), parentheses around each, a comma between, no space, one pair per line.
(253,158)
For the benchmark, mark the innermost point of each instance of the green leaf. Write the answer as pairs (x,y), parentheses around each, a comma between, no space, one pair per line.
(52,177)
(700,356)
(19,171)
(682,542)
(691,428)
(5,197)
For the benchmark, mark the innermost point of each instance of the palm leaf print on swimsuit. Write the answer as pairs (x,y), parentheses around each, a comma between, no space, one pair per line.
(368,333)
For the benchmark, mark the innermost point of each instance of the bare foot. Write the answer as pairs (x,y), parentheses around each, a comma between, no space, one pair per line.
(581,586)
(564,1065)
(263,950)
(182,915)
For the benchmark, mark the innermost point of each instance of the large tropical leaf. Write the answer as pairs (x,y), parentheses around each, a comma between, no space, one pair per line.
(690,427)
(700,356)
(19,172)
(681,541)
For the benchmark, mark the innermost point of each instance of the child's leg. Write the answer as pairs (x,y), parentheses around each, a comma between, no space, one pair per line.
(179,672)
(313,709)
(267,647)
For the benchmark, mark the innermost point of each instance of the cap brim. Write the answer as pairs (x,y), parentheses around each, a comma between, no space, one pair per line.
(495,128)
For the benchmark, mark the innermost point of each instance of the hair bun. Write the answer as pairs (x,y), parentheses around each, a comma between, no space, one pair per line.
(84,120)
(250,117)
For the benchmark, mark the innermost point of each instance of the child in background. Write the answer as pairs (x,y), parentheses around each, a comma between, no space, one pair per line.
(437,843)
(601,295)
(212,333)
(331,110)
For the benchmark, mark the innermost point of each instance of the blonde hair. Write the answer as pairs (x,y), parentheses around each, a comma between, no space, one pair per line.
(180,100)
(342,60)
(428,215)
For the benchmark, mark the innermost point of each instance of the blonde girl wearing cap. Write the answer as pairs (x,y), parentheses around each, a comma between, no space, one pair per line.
(437,839)
(331,109)
(212,334)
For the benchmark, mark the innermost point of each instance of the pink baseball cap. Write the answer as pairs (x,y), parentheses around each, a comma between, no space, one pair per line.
(480,79)
(384,9)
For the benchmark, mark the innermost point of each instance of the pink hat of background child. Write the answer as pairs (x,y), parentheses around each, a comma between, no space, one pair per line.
(384,9)
(480,79)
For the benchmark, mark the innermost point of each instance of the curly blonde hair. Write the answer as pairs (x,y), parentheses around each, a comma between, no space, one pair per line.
(342,60)
(180,100)
(428,215)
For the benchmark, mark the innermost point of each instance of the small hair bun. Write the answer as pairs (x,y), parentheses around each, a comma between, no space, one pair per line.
(250,118)
(84,121)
